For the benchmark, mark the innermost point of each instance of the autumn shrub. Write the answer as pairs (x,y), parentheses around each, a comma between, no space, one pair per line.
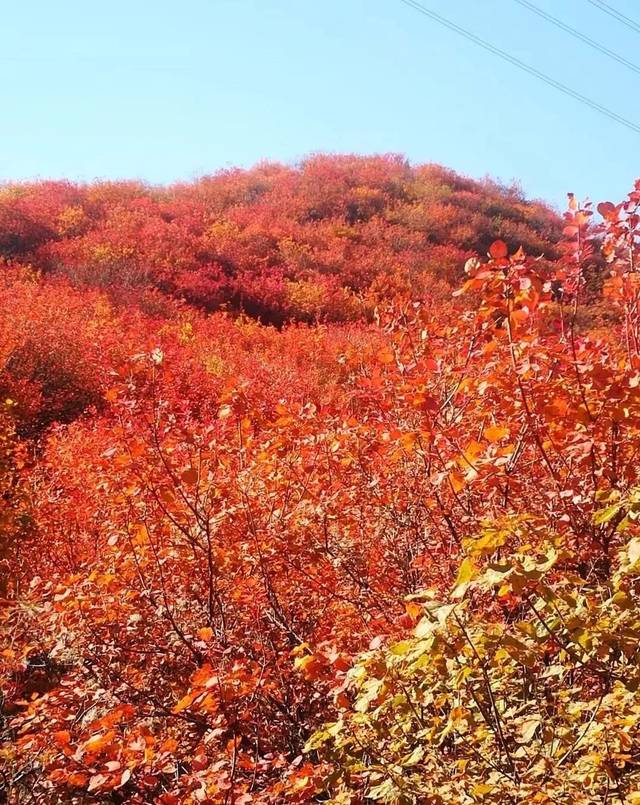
(241,510)
(520,685)
(268,240)
(14,506)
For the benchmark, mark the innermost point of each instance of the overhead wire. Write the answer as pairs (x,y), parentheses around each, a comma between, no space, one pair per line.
(578,35)
(516,62)
(617,15)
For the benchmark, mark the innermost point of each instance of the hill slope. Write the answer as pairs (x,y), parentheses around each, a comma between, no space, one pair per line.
(317,240)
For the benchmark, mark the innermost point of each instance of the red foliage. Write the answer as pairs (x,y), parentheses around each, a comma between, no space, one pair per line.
(280,243)
(218,514)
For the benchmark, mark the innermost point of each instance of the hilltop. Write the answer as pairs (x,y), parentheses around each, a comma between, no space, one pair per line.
(320,240)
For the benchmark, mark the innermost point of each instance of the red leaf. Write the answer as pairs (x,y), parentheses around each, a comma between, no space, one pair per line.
(606,208)
(498,250)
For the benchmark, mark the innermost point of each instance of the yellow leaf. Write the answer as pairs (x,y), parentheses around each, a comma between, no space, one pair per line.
(481,789)
(528,729)
(634,550)
(466,572)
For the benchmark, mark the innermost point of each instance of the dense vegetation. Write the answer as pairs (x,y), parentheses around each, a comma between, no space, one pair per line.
(384,550)
(313,242)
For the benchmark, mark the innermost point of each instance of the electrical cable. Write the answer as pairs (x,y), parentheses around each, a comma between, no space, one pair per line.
(597,107)
(579,35)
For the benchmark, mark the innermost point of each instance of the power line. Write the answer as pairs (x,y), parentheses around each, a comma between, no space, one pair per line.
(618,15)
(579,35)
(522,65)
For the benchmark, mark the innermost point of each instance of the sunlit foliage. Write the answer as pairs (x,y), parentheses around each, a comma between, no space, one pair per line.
(220,536)
(280,243)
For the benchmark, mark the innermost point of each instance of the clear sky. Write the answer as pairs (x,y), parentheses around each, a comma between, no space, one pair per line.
(170,89)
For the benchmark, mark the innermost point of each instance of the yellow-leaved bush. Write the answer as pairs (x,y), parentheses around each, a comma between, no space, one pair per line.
(521,686)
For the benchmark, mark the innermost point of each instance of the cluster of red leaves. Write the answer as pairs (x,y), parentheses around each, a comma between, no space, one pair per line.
(314,242)
(225,513)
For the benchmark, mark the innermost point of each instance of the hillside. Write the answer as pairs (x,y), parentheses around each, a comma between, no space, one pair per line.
(320,240)
(385,551)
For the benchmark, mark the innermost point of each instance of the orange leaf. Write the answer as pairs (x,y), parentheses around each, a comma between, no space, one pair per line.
(456,479)
(62,737)
(97,742)
(190,476)
(495,432)
(385,356)
(184,702)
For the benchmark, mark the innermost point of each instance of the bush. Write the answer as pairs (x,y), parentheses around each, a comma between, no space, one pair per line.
(520,686)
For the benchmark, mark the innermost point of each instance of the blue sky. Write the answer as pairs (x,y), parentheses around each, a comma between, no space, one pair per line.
(169,90)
